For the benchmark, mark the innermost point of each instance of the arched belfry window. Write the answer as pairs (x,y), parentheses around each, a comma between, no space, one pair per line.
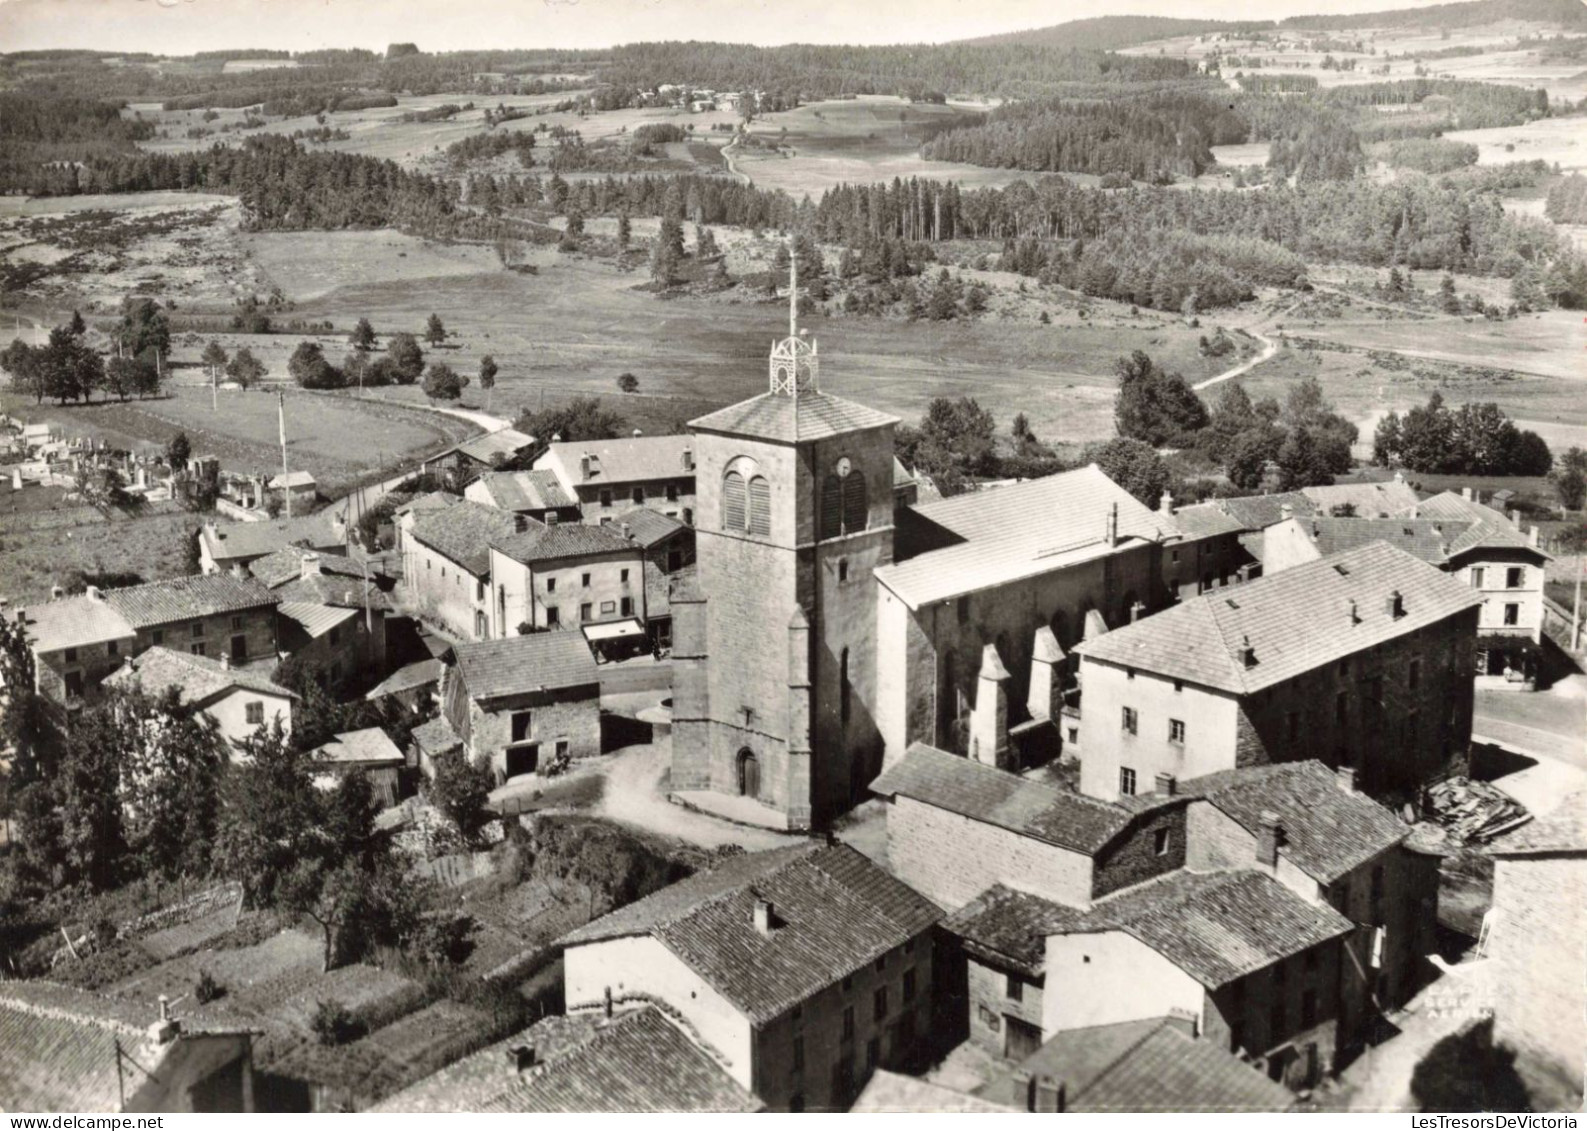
(844,505)
(746,499)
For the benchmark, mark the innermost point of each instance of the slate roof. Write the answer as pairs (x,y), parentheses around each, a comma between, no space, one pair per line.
(650,527)
(1008,801)
(1205,520)
(1489,528)
(1007,533)
(464,532)
(188,598)
(894,1092)
(436,736)
(198,678)
(1327,831)
(316,618)
(58,1047)
(517,664)
(286,564)
(421,673)
(1258,512)
(542,543)
(231,540)
(1151,1065)
(1008,927)
(524,490)
(630,459)
(292,479)
(506,442)
(73,622)
(334,589)
(1296,620)
(1371,500)
(359,747)
(1429,539)
(1564,831)
(1219,926)
(792,420)
(430,501)
(836,912)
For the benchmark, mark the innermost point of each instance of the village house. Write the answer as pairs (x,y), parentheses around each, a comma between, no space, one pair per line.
(446,565)
(803,968)
(432,740)
(215,615)
(1362,659)
(76,642)
(525,704)
(416,686)
(1534,945)
(67,1049)
(608,477)
(462,463)
(368,751)
(240,700)
(231,547)
(407,514)
(560,575)
(631,1060)
(535,494)
(298,491)
(668,548)
(333,619)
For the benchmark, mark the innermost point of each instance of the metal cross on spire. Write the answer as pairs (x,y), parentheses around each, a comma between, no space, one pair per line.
(793,287)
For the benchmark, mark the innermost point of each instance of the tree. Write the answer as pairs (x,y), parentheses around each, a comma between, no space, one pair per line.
(666,257)
(143,328)
(1134,466)
(362,337)
(1231,416)
(487,376)
(434,332)
(1156,407)
(628,383)
(124,376)
(68,368)
(271,815)
(178,451)
(407,359)
(76,326)
(461,790)
(1570,478)
(25,364)
(955,439)
(705,243)
(245,368)
(214,359)
(1302,462)
(171,765)
(625,231)
(1446,295)
(103,488)
(88,793)
(308,368)
(1386,440)
(441,382)
(575,223)
(1249,454)
(582,418)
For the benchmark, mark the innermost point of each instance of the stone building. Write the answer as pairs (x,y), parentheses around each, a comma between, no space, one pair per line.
(446,559)
(214,615)
(774,665)
(804,969)
(525,704)
(76,642)
(668,547)
(560,575)
(462,463)
(240,700)
(1363,659)
(1535,944)
(233,547)
(333,617)
(535,494)
(608,477)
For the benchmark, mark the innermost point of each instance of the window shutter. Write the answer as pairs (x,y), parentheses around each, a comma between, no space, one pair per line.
(854,503)
(759,507)
(733,501)
(831,507)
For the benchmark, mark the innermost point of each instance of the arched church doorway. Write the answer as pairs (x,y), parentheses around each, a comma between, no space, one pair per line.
(748,773)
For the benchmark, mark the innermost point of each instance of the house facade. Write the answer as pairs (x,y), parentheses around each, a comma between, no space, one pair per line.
(608,477)
(76,642)
(209,615)
(556,576)
(239,700)
(447,558)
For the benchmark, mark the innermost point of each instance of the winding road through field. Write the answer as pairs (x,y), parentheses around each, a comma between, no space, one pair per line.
(1269,348)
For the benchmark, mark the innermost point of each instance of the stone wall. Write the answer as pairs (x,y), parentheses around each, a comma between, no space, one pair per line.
(991,1006)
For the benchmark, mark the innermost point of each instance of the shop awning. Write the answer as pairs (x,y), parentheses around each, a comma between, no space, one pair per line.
(613,630)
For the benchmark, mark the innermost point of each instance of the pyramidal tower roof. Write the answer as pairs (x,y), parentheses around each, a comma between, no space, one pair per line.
(793,408)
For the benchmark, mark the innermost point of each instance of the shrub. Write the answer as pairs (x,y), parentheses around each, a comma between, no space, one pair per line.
(335,1024)
(207,989)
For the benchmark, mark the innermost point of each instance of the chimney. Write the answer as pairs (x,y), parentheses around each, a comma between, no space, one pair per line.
(765,920)
(310,565)
(1113,525)
(1345,778)
(1285,511)
(1136,610)
(1399,477)
(606,1003)
(1531,536)
(1049,1095)
(520,523)
(1465,493)
(551,518)
(225,661)
(1167,786)
(628,531)
(56,592)
(1416,510)
(94,594)
(1270,834)
(688,459)
(989,716)
(1514,516)
(1166,503)
(521,1057)
(1394,605)
(556,437)
(167,1028)
(1045,698)
(1355,614)
(584,467)
(1245,653)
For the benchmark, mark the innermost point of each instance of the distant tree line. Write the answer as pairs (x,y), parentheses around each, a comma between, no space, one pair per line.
(1473,439)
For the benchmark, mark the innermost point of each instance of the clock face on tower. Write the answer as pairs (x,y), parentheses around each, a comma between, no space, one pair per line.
(844,467)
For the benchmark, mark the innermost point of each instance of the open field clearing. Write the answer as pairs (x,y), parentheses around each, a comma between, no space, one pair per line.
(1562,140)
(152,546)
(1547,345)
(1576,233)
(308,264)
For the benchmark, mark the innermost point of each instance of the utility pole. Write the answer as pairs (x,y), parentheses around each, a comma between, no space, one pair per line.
(281,418)
(1575,617)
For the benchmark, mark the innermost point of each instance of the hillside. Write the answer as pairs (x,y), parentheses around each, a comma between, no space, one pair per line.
(1108,33)
(1568,14)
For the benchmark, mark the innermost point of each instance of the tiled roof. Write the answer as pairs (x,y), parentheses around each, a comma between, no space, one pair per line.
(1204,520)
(1007,533)
(315,618)
(197,678)
(893,1092)
(997,797)
(1562,831)
(1370,500)
(631,459)
(650,526)
(1488,529)
(230,540)
(64,1049)
(791,420)
(1295,620)
(1327,831)
(188,598)
(1216,927)
(436,736)
(73,622)
(431,501)
(1152,1065)
(1258,512)
(292,479)
(505,442)
(836,911)
(286,564)
(464,532)
(334,589)
(516,664)
(524,490)
(1010,928)
(422,673)
(360,747)
(639,1062)
(542,543)
(1427,538)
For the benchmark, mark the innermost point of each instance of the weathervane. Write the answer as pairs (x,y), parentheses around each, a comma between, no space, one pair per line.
(794,362)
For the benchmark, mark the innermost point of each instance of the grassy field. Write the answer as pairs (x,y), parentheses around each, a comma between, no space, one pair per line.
(1555,140)
(154,547)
